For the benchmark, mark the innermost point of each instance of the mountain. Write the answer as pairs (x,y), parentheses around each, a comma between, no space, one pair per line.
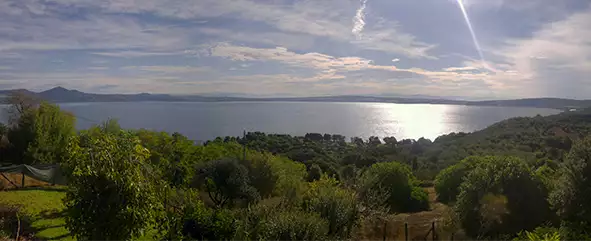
(63,95)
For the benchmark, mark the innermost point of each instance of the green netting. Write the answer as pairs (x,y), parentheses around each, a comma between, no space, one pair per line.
(50,173)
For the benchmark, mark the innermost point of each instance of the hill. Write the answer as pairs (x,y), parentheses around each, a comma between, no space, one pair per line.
(63,95)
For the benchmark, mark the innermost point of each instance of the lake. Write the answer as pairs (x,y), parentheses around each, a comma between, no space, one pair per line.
(204,121)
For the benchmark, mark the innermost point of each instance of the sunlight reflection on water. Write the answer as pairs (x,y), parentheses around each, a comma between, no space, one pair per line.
(202,121)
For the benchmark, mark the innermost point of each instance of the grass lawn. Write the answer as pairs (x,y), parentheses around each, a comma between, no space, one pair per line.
(44,205)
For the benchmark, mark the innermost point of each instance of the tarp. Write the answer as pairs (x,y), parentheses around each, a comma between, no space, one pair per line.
(50,173)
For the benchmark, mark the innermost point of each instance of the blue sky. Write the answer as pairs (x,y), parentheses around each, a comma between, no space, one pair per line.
(530,48)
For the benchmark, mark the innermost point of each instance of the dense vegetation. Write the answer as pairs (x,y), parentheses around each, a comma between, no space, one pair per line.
(501,183)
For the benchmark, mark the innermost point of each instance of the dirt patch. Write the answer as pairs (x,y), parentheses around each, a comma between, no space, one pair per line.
(419,224)
(16,178)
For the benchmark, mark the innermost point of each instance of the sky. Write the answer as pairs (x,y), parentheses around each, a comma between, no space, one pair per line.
(517,49)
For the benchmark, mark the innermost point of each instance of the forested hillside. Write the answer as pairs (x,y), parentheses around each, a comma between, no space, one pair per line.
(535,139)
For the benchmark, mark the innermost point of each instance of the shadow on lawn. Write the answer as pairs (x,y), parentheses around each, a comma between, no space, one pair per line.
(54,230)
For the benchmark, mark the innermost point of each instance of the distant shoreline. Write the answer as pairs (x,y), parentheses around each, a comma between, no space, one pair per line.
(312,101)
(62,95)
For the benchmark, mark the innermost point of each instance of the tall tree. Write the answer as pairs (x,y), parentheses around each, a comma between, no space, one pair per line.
(52,129)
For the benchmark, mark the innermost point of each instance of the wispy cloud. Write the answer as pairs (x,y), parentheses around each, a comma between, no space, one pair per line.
(169,69)
(136,54)
(359,19)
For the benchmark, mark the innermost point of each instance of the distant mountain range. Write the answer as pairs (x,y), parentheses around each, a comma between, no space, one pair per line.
(63,95)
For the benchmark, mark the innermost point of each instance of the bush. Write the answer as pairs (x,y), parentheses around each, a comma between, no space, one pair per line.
(296,225)
(274,221)
(395,182)
(336,205)
(203,223)
(448,181)
(501,197)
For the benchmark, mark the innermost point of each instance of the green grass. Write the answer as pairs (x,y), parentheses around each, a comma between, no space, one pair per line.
(45,207)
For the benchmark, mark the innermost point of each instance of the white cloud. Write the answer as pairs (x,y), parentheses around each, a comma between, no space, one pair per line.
(169,69)
(328,18)
(554,61)
(136,54)
(359,19)
(395,60)
(98,68)
(310,60)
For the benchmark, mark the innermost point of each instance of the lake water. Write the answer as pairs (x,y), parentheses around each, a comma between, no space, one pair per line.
(204,121)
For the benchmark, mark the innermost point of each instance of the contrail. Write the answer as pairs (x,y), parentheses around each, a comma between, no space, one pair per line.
(359,19)
(474,39)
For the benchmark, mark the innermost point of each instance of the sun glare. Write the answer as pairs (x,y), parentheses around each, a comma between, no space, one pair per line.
(472,33)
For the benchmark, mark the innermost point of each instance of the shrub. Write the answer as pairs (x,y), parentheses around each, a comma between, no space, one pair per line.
(501,197)
(296,225)
(336,205)
(274,221)
(203,223)
(396,183)
(447,182)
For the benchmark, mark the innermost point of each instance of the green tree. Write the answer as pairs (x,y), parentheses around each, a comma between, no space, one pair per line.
(170,154)
(38,131)
(333,203)
(501,196)
(448,181)
(52,129)
(572,196)
(226,181)
(111,194)
(396,182)
(314,173)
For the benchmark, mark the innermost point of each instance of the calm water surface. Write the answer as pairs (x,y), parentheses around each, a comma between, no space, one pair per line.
(203,121)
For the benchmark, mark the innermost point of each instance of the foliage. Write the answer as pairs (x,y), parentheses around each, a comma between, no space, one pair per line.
(539,234)
(226,181)
(573,193)
(202,223)
(52,129)
(501,197)
(396,182)
(336,205)
(38,131)
(170,154)
(314,173)
(448,181)
(109,178)
(274,221)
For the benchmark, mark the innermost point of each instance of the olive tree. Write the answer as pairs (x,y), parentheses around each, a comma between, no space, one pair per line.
(111,194)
